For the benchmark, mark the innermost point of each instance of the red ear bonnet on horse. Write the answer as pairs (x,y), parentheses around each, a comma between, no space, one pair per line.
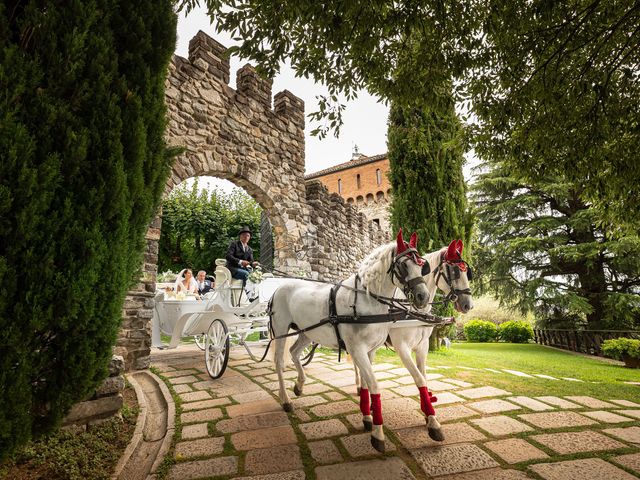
(413,242)
(401,246)
(454,251)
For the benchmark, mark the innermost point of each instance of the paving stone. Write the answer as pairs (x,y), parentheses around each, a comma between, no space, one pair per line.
(194,431)
(406,380)
(626,403)
(275,386)
(360,445)
(182,380)
(355,419)
(391,468)
(515,450)
(530,403)
(501,425)
(199,448)
(264,438)
(288,374)
(378,367)
(482,392)
(201,415)
(206,385)
(454,412)
(203,468)
(259,371)
(251,396)
(383,376)
(557,419)
(576,442)
(607,417)
(323,429)
(402,413)
(384,384)
(282,458)
(291,475)
(182,388)
(308,401)
(631,461)
(587,469)
(517,373)
(252,408)
(334,396)
(242,368)
(546,377)
(462,457)
(399,371)
(194,396)
(628,434)
(215,402)
(325,452)
(417,437)
(460,383)
(489,474)
(253,422)
(343,366)
(629,413)
(406,390)
(179,373)
(558,402)
(590,402)
(493,406)
(316,388)
(302,415)
(445,398)
(334,408)
(439,386)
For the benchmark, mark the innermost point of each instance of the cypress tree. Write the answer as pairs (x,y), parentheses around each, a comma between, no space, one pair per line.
(83,165)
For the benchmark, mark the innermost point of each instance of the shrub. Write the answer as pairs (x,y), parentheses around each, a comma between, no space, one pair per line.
(83,167)
(515,332)
(480,331)
(621,347)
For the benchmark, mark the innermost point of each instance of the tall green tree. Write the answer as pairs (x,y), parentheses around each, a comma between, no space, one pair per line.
(83,164)
(198,225)
(542,250)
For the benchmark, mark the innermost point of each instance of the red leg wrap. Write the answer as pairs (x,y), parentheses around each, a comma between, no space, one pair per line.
(426,399)
(365,406)
(376,406)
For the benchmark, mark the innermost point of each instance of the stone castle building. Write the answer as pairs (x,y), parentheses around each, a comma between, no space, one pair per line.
(361,182)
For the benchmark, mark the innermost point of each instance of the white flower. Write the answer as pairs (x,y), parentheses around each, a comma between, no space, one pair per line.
(255,276)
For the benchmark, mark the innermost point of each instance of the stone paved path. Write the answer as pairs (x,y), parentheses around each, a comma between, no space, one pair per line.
(234,427)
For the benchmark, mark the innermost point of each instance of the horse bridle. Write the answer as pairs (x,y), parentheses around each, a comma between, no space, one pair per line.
(451,271)
(398,269)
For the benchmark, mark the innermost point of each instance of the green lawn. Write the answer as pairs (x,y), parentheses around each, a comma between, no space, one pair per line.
(532,358)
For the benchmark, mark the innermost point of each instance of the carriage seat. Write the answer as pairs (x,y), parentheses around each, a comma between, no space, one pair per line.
(224,279)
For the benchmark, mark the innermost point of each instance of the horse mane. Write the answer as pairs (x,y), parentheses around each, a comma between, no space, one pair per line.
(375,266)
(430,257)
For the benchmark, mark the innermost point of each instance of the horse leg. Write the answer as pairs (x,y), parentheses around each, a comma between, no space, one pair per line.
(358,380)
(295,351)
(279,361)
(426,398)
(361,359)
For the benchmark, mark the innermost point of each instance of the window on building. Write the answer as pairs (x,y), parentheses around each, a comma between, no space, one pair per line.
(339,185)
(376,221)
(358,181)
(378,177)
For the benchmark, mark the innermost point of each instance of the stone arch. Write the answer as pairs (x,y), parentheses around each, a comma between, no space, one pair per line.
(369,198)
(350,200)
(380,196)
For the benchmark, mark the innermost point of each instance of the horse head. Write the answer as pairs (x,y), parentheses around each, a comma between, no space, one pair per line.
(406,267)
(453,275)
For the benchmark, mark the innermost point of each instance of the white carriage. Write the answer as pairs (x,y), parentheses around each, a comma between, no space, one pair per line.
(222,319)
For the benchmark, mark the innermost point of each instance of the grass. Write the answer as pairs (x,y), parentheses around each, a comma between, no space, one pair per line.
(599,379)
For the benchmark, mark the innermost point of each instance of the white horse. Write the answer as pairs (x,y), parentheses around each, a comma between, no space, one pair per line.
(302,305)
(451,274)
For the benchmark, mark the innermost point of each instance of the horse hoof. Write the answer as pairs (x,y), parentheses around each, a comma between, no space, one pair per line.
(436,434)
(287,407)
(368,426)
(377,444)
(297,391)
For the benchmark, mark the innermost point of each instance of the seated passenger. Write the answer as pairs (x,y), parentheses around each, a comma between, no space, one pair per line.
(186,283)
(204,284)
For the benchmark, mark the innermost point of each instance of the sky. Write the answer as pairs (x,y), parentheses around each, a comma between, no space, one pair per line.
(365,119)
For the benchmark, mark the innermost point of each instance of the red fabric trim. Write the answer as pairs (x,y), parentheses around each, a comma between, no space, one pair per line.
(426,400)
(365,406)
(376,406)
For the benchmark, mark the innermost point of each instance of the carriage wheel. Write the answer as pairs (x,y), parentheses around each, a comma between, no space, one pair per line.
(200,340)
(216,350)
(307,354)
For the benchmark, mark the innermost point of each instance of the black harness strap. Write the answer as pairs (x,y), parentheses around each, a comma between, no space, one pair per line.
(334,319)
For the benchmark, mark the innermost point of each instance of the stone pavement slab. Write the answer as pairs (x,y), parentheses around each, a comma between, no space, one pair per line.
(335,408)
(251,396)
(335,396)
(501,425)
(577,442)
(628,434)
(264,438)
(460,383)
(462,457)
(181,380)
(493,406)
(406,390)
(440,386)
(530,403)
(626,403)
(252,408)
(179,373)
(325,452)
(204,468)
(194,396)
(517,373)
(631,461)
(454,412)
(253,422)
(590,402)
(607,417)
(558,402)
(214,402)
(402,413)
(199,448)
(515,450)
(445,398)
(292,475)
(315,388)
(182,388)
(323,429)
(201,415)
(417,437)
(360,445)
(489,474)
(308,401)
(389,468)
(271,460)
(195,431)
(629,413)
(482,392)
(557,419)
(587,469)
